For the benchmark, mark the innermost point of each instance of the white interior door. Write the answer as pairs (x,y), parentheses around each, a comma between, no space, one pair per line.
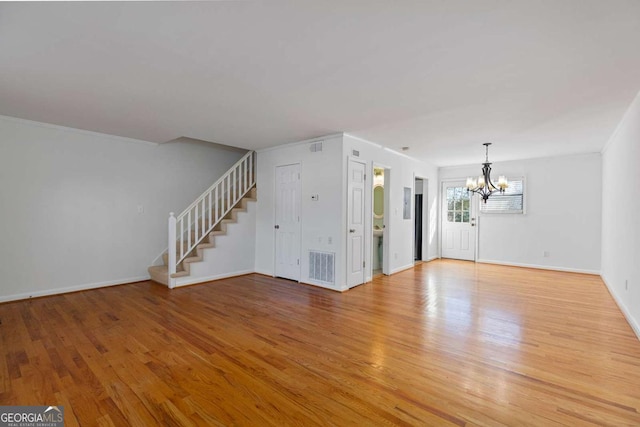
(287,226)
(458,222)
(355,223)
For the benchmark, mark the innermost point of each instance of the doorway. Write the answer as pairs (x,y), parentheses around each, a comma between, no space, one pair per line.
(287,222)
(377,246)
(421,219)
(458,222)
(380,220)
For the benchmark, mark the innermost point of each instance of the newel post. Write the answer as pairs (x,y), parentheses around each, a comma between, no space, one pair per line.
(172,250)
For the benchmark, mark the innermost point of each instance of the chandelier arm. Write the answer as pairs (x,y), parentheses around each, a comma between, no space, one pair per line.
(482,191)
(486,170)
(493,187)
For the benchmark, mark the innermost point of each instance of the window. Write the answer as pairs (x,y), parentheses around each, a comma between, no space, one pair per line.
(511,201)
(458,204)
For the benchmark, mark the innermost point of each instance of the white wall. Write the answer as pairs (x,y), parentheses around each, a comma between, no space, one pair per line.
(620,210)
(324,173)
(563,214)
(321,220)
(229,256)
(69,204)
(403,171)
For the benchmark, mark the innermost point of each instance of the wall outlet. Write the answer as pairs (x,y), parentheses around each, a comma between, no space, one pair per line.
(626,285)
(545,254)
(395,255)
(330,240)
(140,209)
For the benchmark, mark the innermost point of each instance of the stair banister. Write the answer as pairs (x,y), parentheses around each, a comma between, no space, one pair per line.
(228,190)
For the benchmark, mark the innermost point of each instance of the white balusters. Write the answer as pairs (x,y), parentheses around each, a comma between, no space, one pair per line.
(188,229)
(203,216)
(214,204)
(228,191)
(172,244)
(216,201)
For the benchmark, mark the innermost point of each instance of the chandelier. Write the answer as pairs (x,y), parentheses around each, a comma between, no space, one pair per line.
(483,185)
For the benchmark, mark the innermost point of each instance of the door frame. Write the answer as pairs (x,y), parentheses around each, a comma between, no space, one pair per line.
(386,230)
(425,217)
(275,207)
(474,214)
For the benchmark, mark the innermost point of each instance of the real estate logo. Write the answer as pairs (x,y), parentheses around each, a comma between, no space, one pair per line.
(31,416)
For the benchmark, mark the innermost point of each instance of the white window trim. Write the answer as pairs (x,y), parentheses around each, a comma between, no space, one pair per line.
(524,199)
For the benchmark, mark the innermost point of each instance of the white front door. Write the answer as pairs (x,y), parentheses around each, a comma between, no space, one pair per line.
(355,223)
(458,222)
(287,226)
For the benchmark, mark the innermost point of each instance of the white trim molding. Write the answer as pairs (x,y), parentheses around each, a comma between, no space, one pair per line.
(199,280)
(77,288)
(402,268)
(306,141)
(540,267)
(632,322)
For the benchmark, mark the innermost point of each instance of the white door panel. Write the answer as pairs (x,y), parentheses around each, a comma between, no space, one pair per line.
(465,240)
(288,222)
(448,240)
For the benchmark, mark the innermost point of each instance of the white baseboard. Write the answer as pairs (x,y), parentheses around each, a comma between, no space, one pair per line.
(85,287)
(321,285)
(404,267)
(539,267)
(264,272)
(431,258)
(195,280)
(632,322)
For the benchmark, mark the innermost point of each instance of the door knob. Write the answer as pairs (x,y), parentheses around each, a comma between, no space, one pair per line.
(352,230)
(277,227)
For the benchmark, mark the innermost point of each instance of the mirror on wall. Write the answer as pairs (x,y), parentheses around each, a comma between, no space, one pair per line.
(378,201)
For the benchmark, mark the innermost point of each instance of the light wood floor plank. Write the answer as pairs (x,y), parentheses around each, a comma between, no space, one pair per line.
(445,343)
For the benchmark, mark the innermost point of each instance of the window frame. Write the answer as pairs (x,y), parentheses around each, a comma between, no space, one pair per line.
(509,212)
(461,211)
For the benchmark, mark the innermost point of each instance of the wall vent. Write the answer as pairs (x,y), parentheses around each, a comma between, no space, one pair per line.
(315,147)
(322,267)
(355,153)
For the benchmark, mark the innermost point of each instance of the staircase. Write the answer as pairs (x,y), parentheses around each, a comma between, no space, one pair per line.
(195,229)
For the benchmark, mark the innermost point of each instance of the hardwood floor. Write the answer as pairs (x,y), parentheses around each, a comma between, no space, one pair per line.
(446,343)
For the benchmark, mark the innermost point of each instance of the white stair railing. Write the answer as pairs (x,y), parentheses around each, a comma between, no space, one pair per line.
(189,228)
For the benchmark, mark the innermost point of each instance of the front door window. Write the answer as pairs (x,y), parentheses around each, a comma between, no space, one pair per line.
(457,204)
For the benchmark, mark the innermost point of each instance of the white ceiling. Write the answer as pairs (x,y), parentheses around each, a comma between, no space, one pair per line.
(537,78)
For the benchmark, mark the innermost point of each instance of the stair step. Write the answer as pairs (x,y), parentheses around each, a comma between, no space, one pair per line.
(189,260)
(165,256)
(160,273)
(179,274)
